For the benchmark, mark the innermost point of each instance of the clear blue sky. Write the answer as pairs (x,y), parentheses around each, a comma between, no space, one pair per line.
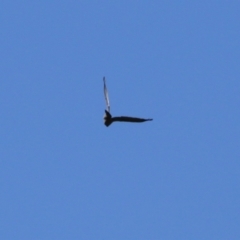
(64,175)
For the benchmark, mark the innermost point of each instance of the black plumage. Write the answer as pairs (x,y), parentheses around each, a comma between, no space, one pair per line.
(108,119)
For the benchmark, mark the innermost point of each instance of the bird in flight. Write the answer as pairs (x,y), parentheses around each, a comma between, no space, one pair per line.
(108,119)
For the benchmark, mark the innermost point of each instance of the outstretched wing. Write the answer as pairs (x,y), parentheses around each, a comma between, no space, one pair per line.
(106,94)
(130,119)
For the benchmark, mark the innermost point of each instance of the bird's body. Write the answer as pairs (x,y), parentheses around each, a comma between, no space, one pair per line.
(108,119)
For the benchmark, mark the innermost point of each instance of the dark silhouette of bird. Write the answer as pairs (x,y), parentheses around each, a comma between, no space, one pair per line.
(108,119)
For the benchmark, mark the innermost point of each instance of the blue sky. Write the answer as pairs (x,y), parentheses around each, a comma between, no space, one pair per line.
(64,175)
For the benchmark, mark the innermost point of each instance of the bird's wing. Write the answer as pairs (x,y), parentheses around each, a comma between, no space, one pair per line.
(106,95)
(130,119)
